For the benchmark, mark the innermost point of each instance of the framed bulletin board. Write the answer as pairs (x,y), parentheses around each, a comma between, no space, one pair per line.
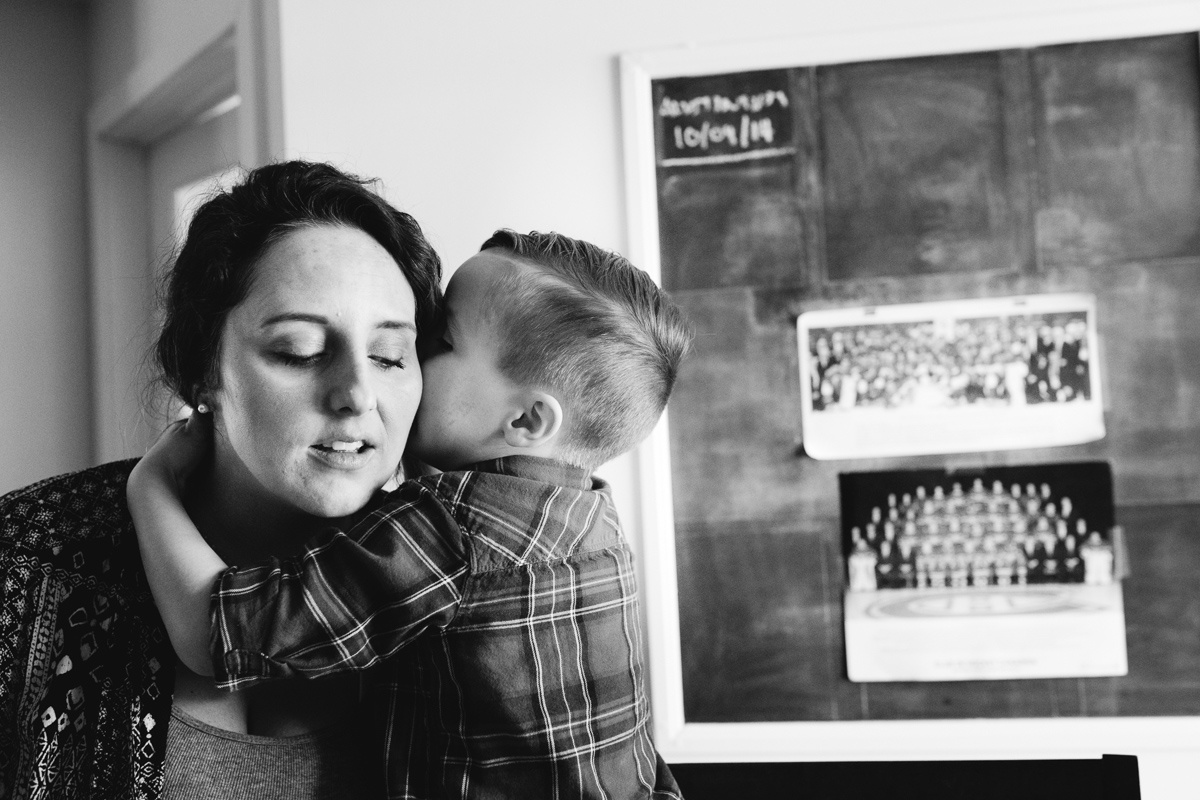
(1045,157)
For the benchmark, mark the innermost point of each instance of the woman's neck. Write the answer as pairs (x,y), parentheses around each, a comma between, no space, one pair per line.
(241,520)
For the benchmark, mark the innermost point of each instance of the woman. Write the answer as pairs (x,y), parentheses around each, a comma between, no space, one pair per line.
(291,317)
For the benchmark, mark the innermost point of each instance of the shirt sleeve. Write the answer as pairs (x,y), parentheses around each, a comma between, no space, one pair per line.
(349,600)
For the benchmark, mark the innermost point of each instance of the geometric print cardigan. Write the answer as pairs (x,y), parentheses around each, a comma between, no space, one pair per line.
(86,670)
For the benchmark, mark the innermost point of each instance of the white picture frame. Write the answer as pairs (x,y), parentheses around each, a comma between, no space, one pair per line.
(681,741)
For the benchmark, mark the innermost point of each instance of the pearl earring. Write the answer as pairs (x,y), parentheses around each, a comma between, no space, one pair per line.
(202,408)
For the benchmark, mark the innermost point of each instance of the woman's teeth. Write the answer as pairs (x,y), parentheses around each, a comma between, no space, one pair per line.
(345,447)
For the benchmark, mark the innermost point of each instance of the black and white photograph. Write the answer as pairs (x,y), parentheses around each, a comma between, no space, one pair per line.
(999,573)
(950,376)
(998,526)
(664,400)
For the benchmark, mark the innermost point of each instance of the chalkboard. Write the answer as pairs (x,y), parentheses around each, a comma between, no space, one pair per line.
(732,165)
(1067,168)
(922,173)
(1118,138)
(761,619)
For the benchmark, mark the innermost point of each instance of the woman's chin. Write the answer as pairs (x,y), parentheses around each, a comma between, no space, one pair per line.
(335,508)
(333,486)
(332,498)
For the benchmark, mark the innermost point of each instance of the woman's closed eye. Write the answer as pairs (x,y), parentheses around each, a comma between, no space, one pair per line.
(292,359)
(297,348)
(391,349)
(389,361)
(383,360)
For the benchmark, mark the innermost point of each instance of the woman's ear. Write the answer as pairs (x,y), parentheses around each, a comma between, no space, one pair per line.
(538,422)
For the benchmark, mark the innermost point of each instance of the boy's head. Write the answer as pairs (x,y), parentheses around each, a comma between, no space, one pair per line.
(553,347)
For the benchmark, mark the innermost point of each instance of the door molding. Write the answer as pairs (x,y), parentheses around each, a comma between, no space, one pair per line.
(121,128)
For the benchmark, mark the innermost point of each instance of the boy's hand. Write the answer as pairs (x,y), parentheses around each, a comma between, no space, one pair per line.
(179,451)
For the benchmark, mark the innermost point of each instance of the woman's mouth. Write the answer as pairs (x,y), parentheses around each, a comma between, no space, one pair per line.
(343,454)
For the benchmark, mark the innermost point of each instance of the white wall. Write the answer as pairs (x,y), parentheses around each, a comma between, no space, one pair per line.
(478,115)
(150,38)
(45,412)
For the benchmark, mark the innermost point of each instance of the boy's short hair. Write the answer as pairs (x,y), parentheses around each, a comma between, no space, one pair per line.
(597,329)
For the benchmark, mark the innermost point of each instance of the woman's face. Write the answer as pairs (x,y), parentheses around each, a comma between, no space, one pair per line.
(319,378)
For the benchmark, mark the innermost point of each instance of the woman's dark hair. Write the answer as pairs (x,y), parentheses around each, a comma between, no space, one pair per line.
(230,232)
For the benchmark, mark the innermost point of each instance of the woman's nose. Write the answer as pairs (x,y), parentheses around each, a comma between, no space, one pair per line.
(351,391)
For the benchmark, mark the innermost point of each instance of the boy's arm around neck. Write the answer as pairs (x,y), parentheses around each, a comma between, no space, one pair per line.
(351,599)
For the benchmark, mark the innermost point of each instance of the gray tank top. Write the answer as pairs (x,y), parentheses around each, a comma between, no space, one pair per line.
(204,762)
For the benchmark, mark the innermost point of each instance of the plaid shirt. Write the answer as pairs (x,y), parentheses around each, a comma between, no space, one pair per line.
(503,600)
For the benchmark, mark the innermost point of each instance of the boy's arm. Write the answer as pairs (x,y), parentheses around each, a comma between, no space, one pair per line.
(345,603)
(351,599)
(180,566)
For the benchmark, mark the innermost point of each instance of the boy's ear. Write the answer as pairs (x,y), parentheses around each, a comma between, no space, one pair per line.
(537,423)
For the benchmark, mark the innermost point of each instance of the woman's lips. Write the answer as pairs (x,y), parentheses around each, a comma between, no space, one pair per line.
(343,454)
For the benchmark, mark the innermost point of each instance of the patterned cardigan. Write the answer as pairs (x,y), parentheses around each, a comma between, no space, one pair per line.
(86,670)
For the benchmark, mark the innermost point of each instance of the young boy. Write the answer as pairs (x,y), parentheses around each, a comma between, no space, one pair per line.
(500,591)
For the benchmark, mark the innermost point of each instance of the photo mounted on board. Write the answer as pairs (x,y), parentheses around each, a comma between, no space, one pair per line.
(950,377)
(985,574)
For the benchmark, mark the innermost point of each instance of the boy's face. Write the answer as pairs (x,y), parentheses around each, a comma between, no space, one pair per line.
(466,398)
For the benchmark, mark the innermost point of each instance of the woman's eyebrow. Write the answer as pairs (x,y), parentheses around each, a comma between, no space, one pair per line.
(318,319)
(294,316)
(398,325)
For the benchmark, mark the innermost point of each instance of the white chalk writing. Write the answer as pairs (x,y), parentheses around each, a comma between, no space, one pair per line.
(720,104)
(748,133)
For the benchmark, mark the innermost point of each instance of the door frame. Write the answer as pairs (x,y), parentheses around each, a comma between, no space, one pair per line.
(121,128)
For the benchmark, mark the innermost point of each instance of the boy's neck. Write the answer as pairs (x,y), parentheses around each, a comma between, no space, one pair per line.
(549,452)
(526,462)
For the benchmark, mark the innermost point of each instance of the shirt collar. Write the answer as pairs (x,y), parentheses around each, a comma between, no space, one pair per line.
(544,470)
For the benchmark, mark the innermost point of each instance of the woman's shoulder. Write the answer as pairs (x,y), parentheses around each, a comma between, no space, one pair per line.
(67,508)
